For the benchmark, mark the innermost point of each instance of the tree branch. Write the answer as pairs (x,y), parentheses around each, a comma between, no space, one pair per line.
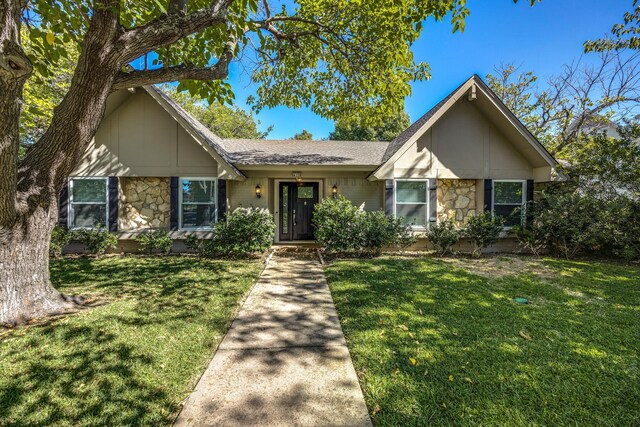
(170,28)
(219,71)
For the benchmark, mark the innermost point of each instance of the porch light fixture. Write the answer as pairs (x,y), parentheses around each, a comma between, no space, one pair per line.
(258,192)
(298,177)
(334,191)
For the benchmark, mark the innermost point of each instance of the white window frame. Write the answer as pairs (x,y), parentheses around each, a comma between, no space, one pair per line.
(523,202)
(215,197)
(426,204)
(70,212)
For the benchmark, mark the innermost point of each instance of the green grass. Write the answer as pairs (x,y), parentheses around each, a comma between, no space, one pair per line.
(130,361)
(474,361)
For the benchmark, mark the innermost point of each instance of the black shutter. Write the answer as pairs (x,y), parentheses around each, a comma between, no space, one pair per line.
(174,203)
(488,195)
(113,203)
(528,212)
(222,198)
(529,190)
(388,197)
(63,206)
(433,200)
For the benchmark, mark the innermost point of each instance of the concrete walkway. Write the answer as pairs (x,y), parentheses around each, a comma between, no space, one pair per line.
(284,362)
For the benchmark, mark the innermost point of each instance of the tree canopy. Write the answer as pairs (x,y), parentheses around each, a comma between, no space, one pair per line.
(625,35)
(334,56)
(223,120)
(43,93)
(354,128)
(574,101)
(303,135)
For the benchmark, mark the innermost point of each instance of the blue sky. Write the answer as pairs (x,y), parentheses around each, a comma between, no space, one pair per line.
(539,39)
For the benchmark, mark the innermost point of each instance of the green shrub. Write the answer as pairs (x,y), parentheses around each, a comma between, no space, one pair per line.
(341,227)
(376,231)
(158,240)
(60,237)
(97,240)
(338,224)
(569,224)
(443,235)
(244,232)
(625,241)
(195,244)
(483,230)
(530,239)
(402,235)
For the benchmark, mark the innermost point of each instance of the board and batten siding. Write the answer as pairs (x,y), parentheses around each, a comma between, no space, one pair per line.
(243,193)
(367,195)
(139,138)
(463,144)
(363,193)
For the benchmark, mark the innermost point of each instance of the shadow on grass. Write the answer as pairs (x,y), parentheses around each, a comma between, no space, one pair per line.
(474,361)
(129,362)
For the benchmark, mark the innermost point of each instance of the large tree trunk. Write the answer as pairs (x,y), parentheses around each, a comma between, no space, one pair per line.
(29,190)
(25,290)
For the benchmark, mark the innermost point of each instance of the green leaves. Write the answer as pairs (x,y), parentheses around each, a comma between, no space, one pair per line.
(623,36)
(339,57)
(354,128)
(51,80)
(224,121)
(346,58)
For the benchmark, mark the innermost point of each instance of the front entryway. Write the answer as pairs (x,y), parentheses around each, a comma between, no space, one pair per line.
(297,201)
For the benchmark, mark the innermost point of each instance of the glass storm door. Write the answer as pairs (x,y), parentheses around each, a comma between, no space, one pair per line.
(297,202)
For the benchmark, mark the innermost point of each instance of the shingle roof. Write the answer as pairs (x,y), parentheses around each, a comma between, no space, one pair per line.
(300,152)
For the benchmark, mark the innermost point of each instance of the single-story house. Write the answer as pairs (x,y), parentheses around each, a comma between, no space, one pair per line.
(153,165)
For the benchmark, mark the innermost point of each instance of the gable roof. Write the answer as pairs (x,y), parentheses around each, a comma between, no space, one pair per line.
(234,153)
(420,126)
(211,142)
(301,152)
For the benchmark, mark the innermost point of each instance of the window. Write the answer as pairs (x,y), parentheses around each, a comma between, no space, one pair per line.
(412,202)
(197,202)
(508,200)
(305,192)
(87,202)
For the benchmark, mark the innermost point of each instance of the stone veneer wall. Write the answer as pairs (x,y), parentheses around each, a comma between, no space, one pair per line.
(145,203)
(456,199)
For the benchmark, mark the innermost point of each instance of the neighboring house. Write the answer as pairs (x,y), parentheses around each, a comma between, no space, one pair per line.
(152,165)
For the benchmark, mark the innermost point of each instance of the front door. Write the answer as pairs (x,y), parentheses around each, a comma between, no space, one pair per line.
(297,201)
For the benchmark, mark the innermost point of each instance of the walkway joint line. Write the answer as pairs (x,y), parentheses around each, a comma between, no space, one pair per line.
(284,361)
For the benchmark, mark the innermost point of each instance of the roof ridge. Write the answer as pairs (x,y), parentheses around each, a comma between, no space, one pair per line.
(398,142)
(302,140)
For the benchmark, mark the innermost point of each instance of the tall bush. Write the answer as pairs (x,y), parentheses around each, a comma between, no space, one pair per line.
(574,223)
(338,224)
(443,235)
(401,234)
(341,227)
(483,230)
(244,232)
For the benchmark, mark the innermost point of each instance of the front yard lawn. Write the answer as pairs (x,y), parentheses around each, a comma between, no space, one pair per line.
(442,342)
(130,361)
